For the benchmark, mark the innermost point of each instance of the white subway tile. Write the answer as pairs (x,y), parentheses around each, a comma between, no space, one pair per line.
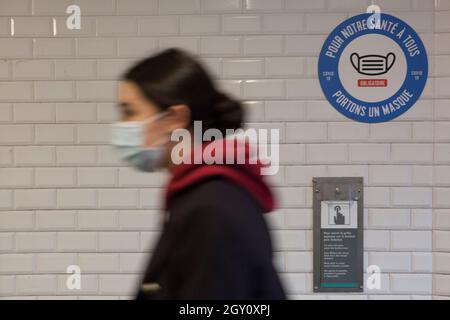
(377,240)
(95,47)
(220,45)
(68,112)
(412,153)
(421,219)
(35,284)
(16,91)
(16,48)
(54,262)
(422,262)
(306,132)
(302,175)
(270,88)
(16,177)
(289,66)
(54,47)
(442,153)
(54,90)
(96,177)
(133,262)
(116,26)
(35,241)
(391,261)
(75,69)
(389,218)
(118,241)
(411,240)
(6,242)
(98,262)
(323,22)
(303,88)
(140,220)
(441,285)
(118,198)
(285,110)
(263,5)
(55,133)
(391,131)
(441,197)
(34,112)
(299,262)
(134,47)
(5,112)
(35,199)
(137,7)
(93,133)
(239,24)
(32,69)
(243,67)
(96,90)
(220,5)
(76,241)
(283,23)
(7,285)
(112,68)
(32,27)
(76,198)
(34,155)
(411,283)
(97,7)
(16,134)
(107,112)
(263,45)
(295,44)
(97,219)
(347,131)
(158,25)
(80,155)
(305,5)
(412,196)
(19,7)
(55,220)
(16,220)
(289,239)
(118,284)
(441,241)
(389,175)
(326,153)
(201,24)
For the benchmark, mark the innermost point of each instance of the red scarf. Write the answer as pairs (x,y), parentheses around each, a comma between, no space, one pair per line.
(246,175)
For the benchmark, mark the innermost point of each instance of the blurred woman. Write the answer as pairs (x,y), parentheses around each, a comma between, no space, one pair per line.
(215,242)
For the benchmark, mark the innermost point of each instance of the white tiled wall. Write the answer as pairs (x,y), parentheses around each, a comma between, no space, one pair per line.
(441,156)
(65,198)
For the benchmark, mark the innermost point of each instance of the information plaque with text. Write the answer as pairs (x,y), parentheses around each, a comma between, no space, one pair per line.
(338,234)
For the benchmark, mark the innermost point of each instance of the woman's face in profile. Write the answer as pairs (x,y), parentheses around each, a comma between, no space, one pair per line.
(134,106)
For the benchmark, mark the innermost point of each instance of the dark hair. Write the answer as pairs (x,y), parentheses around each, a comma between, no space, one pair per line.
(174,76)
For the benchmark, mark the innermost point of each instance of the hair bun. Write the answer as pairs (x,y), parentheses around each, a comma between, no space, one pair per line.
(229,113)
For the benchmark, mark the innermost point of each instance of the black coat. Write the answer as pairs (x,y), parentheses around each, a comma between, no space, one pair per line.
(215,245)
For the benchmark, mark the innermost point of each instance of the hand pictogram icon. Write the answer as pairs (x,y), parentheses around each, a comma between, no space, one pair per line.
(339,218)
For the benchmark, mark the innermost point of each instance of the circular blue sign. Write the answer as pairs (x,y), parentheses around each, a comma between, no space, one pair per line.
(373,74)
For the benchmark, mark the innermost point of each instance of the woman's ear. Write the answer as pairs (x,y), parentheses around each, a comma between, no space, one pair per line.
(178,117)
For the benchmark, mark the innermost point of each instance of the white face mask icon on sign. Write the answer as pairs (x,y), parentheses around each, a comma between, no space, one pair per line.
(372,64)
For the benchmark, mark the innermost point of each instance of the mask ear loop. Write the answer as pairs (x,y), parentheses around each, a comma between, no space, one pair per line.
(154,118)
(147,120)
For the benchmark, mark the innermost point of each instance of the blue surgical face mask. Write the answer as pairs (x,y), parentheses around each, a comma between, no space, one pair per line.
(129,139)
